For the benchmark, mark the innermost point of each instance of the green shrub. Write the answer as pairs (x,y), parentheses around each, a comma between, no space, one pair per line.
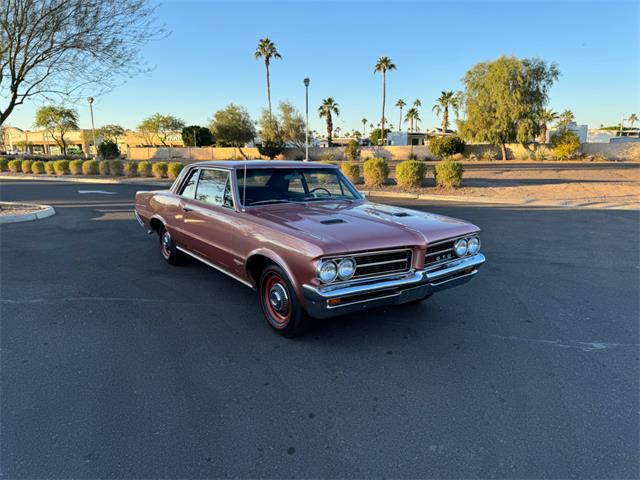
(116,167)
(445,146)
(61,167)
(131,169)
(173,170)
(599,157)
(75,167)
(473,157)
(37,167)
(271,148)
(352,150)
(489,154)
(410,173)
(448,173)
(351,171)
(159,169)
(90,167)
(4,164)
(540,154)
(103,167)
(566,145)
(15,166)
(108,150)
(376,171)
(48,167)
(144,169)
(25,166)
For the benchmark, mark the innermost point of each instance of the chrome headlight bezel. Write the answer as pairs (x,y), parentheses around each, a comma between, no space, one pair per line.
(460,247)
(320,269)
(476,242)
(345,261)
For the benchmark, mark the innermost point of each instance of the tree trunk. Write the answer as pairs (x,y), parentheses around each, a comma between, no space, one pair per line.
(329,129)
(542,138)
(268,90)
(384,98)
(503,147)
(400,123)
(445,120)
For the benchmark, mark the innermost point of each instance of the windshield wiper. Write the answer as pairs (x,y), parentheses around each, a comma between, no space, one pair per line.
(331,198)
(273,200)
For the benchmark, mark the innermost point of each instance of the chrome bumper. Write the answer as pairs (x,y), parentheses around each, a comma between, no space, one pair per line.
(332,300)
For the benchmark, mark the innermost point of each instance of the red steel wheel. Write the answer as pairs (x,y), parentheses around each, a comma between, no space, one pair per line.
(280,303)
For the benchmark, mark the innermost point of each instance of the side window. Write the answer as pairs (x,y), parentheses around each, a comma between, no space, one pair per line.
(214,187)
(189,190)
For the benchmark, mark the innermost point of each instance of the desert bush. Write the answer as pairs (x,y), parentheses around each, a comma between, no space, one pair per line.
(61,167)
(566,145)
(15,166)
(48,168)
(115,168)
(131,169)
(446,146)
(541,154)
(104,167)
(448,173)
(75,167)
(90,167)
(473,157)
(159,169)
(108,150)
(489,154)
(328,157)
(599,157)
(4,164)
(376,171)
(351,170)
(352,150)
(524,154)
(25,166)
(144,169)
(37,167)
(173,170)
(410,173)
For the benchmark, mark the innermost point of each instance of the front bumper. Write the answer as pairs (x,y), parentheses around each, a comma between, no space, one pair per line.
(332,300)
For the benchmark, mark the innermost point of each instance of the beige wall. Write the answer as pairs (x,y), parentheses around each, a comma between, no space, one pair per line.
(614,151)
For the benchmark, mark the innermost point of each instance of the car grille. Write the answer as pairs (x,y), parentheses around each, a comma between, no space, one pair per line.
(373,264)
(439,252)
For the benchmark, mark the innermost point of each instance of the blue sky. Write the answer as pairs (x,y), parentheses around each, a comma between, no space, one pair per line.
(207,61)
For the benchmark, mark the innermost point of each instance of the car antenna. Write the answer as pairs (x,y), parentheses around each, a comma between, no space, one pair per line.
(244,186)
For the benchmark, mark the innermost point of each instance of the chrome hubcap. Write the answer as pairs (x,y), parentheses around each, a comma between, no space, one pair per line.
(166,241)
(278,298)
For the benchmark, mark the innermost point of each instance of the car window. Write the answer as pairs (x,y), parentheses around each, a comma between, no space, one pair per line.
(214,187)
(189,190)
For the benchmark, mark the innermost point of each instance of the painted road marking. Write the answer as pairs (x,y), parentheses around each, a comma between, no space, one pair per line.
(100,192)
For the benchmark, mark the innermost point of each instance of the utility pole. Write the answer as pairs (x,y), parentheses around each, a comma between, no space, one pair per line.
(306,124)
(93,128)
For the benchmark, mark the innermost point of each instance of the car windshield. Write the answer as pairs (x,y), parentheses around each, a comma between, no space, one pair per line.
(283,185)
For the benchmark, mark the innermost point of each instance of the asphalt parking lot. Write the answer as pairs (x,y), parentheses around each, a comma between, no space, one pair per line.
(115,364)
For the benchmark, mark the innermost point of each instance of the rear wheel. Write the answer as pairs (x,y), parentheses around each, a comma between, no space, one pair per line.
(280,304)
(168,247)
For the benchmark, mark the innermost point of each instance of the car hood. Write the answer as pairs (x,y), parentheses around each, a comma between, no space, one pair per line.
(362,225)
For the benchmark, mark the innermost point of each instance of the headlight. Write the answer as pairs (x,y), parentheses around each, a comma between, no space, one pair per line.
(473,245)
(327,271)
(346,268)
(460,247)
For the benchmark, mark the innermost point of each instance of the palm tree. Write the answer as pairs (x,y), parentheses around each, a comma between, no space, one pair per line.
(412,116)
(326,109)
(383,65)
(633,118)
(417,104)
(565,118)
(364,127)
(443,102)
(267,50)
(400,104)
(545,117)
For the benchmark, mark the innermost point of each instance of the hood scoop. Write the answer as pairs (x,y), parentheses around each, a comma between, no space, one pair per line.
(401,214)
(332,221)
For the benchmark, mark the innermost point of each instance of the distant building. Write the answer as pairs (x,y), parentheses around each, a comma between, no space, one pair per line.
(406,138)
(582,131)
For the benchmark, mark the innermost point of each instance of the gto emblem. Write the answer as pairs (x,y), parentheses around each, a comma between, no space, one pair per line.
(446,256)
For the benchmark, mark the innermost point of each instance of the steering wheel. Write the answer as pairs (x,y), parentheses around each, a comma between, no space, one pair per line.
(319,188)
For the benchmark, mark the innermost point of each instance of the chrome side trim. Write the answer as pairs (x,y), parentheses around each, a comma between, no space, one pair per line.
(208,263)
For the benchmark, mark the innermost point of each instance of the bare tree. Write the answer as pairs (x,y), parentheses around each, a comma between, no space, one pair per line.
(64,47)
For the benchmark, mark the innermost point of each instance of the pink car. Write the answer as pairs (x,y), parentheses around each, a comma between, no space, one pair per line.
(304,237)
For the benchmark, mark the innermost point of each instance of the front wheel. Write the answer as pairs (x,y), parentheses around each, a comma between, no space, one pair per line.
(280,304)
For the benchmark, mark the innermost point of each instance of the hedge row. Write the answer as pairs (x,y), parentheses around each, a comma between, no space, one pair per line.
(409,174)
(93,167)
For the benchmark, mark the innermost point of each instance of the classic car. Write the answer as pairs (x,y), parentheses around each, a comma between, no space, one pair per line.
(304,237)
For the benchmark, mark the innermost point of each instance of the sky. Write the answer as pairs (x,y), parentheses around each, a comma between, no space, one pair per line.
(207,61)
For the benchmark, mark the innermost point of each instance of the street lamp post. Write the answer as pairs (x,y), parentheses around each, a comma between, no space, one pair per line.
(306,125)
(93,128)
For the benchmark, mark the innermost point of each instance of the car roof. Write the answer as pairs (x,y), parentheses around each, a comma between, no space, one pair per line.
(240,164)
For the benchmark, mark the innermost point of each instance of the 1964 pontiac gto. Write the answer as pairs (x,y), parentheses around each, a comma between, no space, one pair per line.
(304,237)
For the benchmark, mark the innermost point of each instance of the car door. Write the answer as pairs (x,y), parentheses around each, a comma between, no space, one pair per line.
(185,195)
(208,217)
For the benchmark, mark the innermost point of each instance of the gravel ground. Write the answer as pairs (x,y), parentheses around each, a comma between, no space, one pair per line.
(7,209)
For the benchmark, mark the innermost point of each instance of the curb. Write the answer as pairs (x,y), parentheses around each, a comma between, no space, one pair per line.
(44,212)
(444,198)
(66,178)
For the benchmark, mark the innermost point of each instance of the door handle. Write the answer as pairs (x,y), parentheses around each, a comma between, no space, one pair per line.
(187,209)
